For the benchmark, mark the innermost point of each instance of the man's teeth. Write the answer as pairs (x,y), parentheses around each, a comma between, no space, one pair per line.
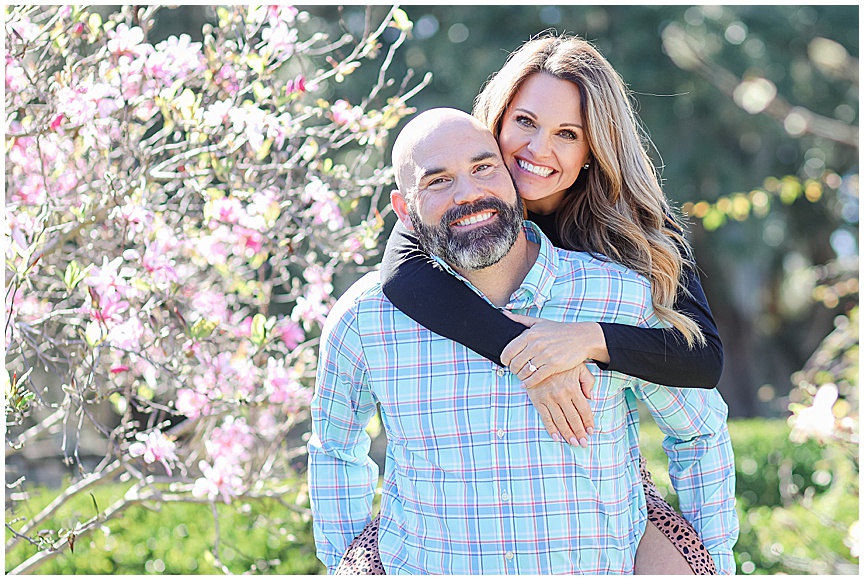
(480,217)
(541,171)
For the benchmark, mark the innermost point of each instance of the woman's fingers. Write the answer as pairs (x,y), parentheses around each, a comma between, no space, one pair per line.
(513,348)
(528,321)
(586,381)
(532,379)
(563,405)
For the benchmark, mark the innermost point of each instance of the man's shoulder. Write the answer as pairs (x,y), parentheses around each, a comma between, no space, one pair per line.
(362,294)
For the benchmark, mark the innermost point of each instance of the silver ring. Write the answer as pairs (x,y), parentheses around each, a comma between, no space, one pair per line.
(531,367)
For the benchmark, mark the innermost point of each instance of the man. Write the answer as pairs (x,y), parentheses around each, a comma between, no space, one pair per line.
(473,482)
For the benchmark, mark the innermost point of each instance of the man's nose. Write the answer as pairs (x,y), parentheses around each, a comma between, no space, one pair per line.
(467,191)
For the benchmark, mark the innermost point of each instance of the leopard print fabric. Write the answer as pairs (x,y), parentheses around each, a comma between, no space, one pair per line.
(362,555)
(675,527)
(362,558)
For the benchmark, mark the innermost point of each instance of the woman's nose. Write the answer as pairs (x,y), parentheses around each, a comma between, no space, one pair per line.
(539,145)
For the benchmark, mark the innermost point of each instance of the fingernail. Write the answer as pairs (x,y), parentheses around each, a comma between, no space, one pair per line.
(584,443)
(574,441)
(590,431)
(556,437)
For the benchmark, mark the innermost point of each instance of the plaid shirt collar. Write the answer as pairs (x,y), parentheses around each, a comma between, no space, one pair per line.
(536,288)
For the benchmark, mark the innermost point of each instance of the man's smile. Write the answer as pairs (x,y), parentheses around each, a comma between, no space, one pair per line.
(476,218)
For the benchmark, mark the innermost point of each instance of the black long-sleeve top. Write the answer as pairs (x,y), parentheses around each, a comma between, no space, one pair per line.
(430,295)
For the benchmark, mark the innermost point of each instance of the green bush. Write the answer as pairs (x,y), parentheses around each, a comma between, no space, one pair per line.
(789,496)
(793,500)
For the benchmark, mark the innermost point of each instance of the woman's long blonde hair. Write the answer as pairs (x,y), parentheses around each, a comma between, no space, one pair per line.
(616,207)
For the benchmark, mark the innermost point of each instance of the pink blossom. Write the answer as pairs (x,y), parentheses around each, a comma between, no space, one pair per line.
(289,331)
(327,213)
(217,113)
(232,440)
(211,305)
(344,114)
(310,310)
(297,85)
(175,59)
(816,421)
(157,262)
(154,446)
(319,280)
(126,41)
(16,78)
(127,334)
(283,388)
(279,40)
(223,479)
(110,278)
(191,403)
(226,209)
(109,307)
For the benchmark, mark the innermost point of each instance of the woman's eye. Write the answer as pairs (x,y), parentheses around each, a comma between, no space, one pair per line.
(522,120)
(569,135)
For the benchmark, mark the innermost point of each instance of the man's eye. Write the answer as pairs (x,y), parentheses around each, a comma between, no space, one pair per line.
(437,181)
(483,167)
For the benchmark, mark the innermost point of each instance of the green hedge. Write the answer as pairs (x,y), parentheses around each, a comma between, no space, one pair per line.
(789,498)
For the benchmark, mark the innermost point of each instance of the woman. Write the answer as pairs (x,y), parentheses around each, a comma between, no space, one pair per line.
(571,141)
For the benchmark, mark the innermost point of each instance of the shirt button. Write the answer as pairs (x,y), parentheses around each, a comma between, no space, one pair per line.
(509,555)
(501,371)
(505,496)
(500,433)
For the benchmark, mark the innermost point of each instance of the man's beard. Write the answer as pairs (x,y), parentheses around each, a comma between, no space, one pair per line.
(477,248)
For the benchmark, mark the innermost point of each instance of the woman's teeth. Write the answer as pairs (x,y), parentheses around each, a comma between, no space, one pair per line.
(541,171)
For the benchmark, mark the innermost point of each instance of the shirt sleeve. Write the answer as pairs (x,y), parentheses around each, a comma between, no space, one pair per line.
(342,476)
(425,292)
(701,462)
(661,355)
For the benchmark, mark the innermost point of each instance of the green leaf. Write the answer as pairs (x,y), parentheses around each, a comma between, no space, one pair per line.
(259,330)
(73,275)
(203,328)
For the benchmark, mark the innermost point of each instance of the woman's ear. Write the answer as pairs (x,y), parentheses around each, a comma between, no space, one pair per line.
(400,206)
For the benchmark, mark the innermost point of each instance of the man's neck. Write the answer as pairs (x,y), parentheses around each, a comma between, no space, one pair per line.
(499,281)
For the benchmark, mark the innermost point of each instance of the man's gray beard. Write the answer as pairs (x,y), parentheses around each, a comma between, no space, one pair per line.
(478,248)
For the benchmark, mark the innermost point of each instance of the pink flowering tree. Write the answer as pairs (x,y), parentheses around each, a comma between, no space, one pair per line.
(175,216)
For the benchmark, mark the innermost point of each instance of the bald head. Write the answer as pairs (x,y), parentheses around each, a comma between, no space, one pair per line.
(426,130)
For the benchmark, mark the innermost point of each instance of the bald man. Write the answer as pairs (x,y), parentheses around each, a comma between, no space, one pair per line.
(473,482)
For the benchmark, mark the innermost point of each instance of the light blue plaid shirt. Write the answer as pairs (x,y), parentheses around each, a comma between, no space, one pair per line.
(473,483)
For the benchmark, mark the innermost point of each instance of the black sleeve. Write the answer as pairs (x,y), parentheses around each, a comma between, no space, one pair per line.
(436,299)
(661,355)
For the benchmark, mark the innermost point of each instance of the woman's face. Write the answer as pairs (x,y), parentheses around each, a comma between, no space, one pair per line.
(543,140)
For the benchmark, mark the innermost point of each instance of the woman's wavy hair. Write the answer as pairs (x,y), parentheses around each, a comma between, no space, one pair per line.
(616,207)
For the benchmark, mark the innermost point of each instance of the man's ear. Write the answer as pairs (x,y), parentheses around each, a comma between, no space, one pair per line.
(400,206)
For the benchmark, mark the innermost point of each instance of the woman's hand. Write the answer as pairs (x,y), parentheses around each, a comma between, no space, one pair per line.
(547,348)
(562,401)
